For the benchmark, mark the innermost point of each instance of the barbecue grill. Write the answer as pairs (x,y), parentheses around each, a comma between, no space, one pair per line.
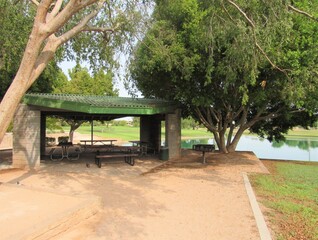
(204,148)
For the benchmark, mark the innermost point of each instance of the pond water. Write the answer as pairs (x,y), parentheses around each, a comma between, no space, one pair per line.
(304,149)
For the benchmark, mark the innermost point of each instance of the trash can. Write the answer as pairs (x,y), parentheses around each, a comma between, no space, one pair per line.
(164,153)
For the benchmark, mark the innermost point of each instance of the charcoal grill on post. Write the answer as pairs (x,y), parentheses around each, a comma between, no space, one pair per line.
(204,148)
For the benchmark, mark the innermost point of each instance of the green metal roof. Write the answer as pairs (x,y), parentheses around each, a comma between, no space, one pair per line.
(101,104)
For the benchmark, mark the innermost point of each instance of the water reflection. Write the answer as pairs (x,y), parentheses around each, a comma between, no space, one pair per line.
(290,149)
(301,144)
(190,142)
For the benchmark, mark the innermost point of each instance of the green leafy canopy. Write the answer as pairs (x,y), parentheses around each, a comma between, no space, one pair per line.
(243,64)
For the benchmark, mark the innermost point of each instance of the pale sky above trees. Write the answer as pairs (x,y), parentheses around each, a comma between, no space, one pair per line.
(118,83)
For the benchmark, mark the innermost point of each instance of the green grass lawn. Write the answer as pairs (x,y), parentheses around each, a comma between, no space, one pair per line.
(198,133)
(302,133)
(291,192)
(128,133)
(125,133)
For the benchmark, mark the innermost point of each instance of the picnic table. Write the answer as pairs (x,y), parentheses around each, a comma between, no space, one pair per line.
(120,149)
(204,148)
(125,152)
(143,146)
(62,151)
(135,142)
(96,144)
(98,141)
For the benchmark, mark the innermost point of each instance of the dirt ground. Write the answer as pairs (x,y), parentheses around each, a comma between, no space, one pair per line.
(179,199)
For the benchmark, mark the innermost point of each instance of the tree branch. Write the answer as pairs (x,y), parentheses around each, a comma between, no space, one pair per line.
(46,55)
(266,56)
(79,27)
(243,118)
(255,38)
(258,117)
(203,120)
(57,8)
(42,10)
(100,29)
(36,3)
(227,12)
(54,42)
(228,119)
(213,113)
(243,13)
(236,114)
(72,7)
(302,12)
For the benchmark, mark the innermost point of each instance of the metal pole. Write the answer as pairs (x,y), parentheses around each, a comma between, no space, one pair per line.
(92,131)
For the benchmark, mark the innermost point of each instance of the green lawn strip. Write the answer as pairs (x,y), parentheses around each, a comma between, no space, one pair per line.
(198,133)
(125,133)
(133,132)
(302,133)
(128,133)
(292,194)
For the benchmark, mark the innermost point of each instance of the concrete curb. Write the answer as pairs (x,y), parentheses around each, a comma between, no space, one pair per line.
(260,221)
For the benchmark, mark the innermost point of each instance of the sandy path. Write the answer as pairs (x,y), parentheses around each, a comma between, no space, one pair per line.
(191,206)
(178,200)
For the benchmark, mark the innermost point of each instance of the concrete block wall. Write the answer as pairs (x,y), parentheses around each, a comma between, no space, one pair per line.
(173,134)
(26,138)
(150,131)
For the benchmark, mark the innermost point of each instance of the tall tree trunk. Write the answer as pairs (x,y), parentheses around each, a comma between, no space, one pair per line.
(233,144)
(217,139)
(230,134)
(71,135)
(228,146)
(26,75)
(9,104)
(220,141)
(73,126)
(22,80)
(223,147)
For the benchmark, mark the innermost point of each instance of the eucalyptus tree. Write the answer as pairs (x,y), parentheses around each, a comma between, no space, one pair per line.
(101,27)
(13,37)
(15,24)
(233,65)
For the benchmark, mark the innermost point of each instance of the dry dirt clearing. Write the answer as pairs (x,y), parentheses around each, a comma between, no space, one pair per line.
(180,199)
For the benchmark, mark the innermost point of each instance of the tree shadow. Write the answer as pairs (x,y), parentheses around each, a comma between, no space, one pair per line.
(121,188)
(124,190)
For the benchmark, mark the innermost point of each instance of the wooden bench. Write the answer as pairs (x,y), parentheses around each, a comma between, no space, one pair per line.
(128,157)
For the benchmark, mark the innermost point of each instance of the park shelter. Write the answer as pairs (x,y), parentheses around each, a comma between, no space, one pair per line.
(29,129)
